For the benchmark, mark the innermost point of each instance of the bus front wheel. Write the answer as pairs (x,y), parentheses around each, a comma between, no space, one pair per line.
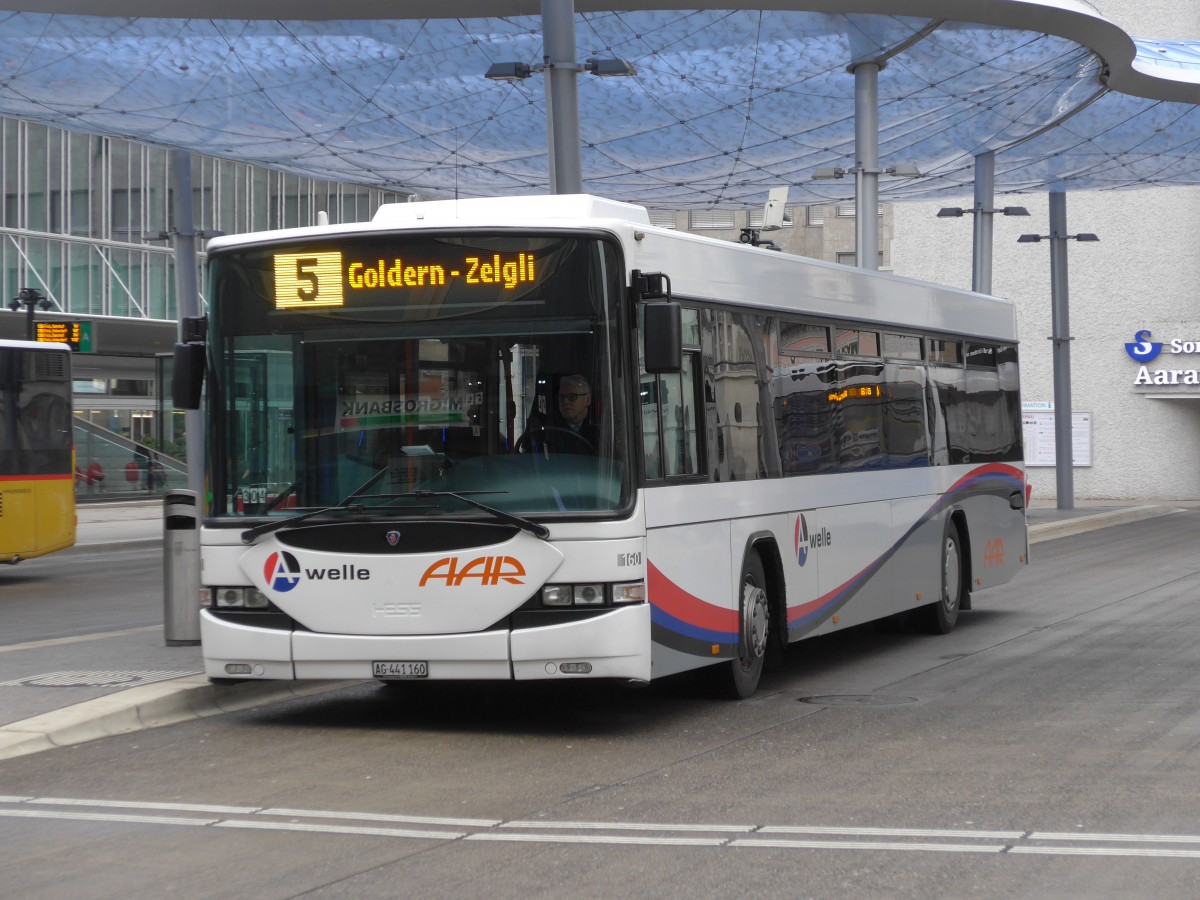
(941,617)
(755,626)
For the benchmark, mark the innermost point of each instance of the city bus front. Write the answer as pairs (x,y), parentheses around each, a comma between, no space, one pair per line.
(419,459)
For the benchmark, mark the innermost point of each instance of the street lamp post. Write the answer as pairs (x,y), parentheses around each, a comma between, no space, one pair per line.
(30,298)
(562,99)
(981,245)
(866,206)
(1060,331)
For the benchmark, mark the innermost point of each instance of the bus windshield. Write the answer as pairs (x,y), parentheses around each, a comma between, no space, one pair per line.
(389,373)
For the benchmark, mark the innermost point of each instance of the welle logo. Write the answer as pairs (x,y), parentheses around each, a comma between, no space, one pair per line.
(806,541)
(281,571)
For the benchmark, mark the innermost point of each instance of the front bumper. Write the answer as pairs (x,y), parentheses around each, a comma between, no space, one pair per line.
(614,645)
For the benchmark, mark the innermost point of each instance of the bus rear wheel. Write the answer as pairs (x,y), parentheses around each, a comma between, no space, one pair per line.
(744,672)
(941,617)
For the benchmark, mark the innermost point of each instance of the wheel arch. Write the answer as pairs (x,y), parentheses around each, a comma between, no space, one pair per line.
(958,518)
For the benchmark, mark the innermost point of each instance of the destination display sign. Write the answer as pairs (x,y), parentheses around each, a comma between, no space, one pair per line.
(77,335)
(325,278)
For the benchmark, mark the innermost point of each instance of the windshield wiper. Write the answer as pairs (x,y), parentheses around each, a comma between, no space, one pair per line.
(267,527)
(534,528)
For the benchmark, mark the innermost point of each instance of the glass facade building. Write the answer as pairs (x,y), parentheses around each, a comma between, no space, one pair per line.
(86,222)
(86,217)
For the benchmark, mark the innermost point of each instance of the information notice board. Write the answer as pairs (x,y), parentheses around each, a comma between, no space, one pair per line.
(1037,430)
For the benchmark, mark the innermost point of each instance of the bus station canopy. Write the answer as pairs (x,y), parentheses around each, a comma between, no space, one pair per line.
(726,103)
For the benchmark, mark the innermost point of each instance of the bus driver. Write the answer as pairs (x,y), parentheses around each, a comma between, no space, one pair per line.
(570,431)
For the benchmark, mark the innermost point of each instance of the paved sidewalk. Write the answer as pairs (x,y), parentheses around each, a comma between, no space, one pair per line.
(170,688)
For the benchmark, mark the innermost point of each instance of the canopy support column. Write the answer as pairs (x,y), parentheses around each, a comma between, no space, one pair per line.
(187,302)
(562,97)
(866,168)
(985,188)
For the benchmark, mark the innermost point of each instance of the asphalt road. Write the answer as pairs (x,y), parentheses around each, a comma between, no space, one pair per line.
(81,591)
(1046,748)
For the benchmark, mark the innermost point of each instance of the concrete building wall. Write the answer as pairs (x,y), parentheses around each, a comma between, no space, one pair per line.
(1144,274)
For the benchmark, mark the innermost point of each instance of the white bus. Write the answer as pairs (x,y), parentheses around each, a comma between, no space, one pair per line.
(769,448)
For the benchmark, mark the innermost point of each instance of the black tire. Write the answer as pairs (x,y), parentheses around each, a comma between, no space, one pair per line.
(742,674)
(941,617)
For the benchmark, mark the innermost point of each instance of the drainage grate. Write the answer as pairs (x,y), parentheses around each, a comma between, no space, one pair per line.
(93,679)
(857,700)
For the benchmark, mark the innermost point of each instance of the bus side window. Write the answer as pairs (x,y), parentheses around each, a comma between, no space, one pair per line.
(669,421)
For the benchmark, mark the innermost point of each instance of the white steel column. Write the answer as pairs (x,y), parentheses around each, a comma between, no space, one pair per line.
(985,188)
(866,169)
(1060,335)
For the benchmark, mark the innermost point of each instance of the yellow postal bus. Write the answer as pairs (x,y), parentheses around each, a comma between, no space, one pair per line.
(37,464)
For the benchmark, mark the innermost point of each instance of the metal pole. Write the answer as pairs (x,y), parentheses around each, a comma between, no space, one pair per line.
(866,149)
(562,97)
(1061,336)
(187,297)
(30,327)
(985,187)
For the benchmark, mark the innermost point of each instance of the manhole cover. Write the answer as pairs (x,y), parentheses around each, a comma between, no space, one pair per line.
(858,700)
(92,679)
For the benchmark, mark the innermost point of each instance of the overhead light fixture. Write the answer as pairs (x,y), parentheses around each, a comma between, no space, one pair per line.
(519,71)
(608,68)
(897,171)
(1086,236)
(508,71)
(952,212)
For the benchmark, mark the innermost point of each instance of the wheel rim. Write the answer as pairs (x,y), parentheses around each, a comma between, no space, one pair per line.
(755,621)
(951,576)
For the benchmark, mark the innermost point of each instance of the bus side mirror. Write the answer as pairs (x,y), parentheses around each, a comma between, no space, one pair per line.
(663,336)
(188,376)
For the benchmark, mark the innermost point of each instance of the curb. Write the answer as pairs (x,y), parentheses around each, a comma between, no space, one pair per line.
(1048,531)
(148,706)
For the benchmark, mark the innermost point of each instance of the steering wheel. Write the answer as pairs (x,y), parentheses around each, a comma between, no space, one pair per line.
(524,443)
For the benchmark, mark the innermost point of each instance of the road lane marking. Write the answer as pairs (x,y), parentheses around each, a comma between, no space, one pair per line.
(623,826)
(101,817)
(339,829)
(1115,838)
(868,845)
(893,832)
(517,837)
(78,639)
(378,817)
(821,837)
(131,804)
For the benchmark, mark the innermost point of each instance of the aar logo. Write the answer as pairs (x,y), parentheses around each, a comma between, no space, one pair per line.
(1142,349)
(281,571)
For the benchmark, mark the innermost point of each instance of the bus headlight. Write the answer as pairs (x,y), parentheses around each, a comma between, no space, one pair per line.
(593,594)
(557,595)
(241,598)
(589,595)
